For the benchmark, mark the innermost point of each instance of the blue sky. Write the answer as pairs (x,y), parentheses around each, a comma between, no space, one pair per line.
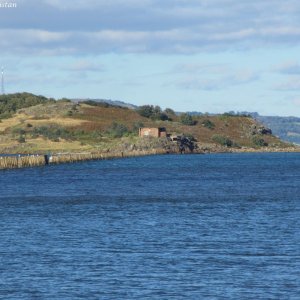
(190,55)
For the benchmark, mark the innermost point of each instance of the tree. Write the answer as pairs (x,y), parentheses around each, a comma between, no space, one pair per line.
(170,112)
(187,119)
(152,112)
(9,104)
(146,110)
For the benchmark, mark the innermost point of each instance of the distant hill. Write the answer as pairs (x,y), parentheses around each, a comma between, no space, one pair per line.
(287,128)
(117,103)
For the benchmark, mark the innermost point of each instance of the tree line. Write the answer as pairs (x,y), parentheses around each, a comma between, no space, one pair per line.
(10,103)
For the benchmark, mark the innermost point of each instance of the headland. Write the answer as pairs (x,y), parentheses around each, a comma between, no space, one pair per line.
(59,131)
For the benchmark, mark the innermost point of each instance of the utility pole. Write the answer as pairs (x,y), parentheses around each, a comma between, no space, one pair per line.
(2,82)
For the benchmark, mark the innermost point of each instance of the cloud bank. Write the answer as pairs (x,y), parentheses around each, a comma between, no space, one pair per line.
(148,26)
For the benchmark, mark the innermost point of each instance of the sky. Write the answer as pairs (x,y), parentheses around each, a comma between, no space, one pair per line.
(190,55)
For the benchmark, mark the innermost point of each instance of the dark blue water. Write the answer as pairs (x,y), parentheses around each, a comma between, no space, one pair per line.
(224,226)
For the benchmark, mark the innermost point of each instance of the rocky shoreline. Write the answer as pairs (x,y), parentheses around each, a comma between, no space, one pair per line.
(249,150)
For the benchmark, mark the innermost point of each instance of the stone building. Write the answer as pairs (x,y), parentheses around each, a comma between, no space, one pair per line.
(154,132)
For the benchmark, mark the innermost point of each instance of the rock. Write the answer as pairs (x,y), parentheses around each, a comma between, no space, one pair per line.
(264,130)
(259,130)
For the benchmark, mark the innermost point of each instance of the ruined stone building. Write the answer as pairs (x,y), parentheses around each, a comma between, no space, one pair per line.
(153,132)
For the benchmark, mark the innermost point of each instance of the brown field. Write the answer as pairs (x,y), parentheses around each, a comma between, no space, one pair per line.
(22,119)
(100,118)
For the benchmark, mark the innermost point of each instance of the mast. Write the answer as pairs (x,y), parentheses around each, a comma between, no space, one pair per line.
(2,82)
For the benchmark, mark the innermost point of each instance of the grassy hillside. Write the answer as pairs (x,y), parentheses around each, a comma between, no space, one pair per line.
(59,126)
(9,104)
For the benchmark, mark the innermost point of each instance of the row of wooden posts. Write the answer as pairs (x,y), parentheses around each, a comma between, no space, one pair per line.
(22,161)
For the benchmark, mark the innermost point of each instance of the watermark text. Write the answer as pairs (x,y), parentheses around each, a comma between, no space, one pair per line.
(8,5)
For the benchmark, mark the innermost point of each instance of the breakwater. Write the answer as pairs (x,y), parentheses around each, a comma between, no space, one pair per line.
(18,161)
(23,161)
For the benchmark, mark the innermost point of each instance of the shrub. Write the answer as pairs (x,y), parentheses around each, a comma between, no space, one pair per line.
(21,139)
(19,131)
(102,103)
(230,114)
(187,119)
(136,126)
(6,115)
(117,130)
(260,142)
(162,116)
(96,103)
(208,124)
(52,132)
(222,140)
(170,113)
(69,113)
(64,100)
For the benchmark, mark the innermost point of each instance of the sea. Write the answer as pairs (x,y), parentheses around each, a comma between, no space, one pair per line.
(215,226)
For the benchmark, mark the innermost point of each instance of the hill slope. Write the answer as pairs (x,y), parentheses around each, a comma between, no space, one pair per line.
(61,126)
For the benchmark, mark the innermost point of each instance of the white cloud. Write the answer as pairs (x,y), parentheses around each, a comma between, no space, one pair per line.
(31,36)
(169,26)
